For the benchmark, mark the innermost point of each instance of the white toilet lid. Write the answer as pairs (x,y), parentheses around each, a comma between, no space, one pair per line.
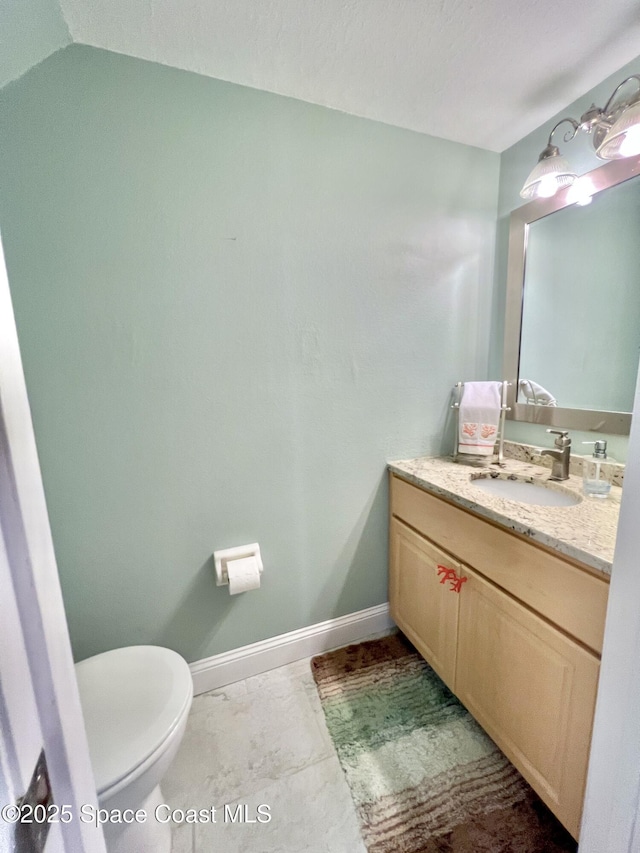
(132,699)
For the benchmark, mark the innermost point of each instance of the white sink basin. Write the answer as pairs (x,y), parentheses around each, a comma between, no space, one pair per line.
(525,491)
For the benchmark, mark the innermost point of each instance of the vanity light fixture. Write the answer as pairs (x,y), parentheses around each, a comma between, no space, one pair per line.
(581,191)
(615,131)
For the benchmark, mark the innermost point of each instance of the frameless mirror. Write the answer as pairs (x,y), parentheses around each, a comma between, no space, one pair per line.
(572,321)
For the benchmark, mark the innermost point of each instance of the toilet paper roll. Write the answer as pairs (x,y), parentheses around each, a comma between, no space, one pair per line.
(244,574)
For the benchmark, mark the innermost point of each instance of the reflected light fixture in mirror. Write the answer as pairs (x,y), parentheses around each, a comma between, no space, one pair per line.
(614,188)
(615,130)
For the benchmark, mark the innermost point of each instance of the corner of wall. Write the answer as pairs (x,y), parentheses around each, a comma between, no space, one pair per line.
(65,20)
(34,30)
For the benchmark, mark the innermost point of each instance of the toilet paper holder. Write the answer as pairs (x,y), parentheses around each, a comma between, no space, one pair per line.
(228,555)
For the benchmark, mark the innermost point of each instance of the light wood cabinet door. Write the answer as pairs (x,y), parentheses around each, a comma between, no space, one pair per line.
(423,607)
(533,690)
(565,594)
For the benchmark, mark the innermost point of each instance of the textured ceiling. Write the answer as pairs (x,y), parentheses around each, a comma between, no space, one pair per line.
(482,72)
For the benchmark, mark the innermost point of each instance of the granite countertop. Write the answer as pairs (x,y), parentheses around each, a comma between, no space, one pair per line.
(586,531)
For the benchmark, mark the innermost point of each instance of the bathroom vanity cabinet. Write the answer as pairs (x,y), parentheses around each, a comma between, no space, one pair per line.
(512,628)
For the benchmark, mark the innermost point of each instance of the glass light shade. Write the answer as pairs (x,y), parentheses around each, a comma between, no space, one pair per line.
(547,177)
(623,139)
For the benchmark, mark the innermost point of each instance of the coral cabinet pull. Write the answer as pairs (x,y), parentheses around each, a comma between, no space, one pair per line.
(451,576)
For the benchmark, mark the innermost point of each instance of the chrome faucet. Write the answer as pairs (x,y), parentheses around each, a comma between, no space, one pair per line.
(561,457)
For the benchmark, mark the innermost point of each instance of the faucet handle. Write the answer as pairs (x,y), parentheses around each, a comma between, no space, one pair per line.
(563,439)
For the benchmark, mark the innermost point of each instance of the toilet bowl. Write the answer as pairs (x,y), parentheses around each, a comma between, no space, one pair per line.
(135,702)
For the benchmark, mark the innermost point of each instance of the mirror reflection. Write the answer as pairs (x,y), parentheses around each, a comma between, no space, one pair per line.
(580,336)
(572,316)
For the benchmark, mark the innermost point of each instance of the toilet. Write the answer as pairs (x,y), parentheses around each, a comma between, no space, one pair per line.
(135,702)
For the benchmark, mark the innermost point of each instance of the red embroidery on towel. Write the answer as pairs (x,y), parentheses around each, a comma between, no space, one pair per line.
(470,429)
(488,430)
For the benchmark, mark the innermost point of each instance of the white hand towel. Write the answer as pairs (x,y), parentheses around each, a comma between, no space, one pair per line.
(479,416)
(536,394)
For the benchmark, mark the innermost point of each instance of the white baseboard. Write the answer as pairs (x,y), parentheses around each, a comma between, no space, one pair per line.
(219,670)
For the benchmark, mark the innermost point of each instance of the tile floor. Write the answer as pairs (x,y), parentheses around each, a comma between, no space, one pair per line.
(262,741)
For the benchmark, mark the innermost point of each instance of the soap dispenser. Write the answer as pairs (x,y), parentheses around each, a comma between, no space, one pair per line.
(596,477)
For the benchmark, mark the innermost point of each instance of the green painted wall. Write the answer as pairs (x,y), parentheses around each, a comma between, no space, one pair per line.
(515,164)
(30,30)
(233,309)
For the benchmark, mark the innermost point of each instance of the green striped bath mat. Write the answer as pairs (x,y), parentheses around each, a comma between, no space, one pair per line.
(424,776)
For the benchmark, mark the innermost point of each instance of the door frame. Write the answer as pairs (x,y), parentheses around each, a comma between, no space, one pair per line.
(611,815)
(38,598)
